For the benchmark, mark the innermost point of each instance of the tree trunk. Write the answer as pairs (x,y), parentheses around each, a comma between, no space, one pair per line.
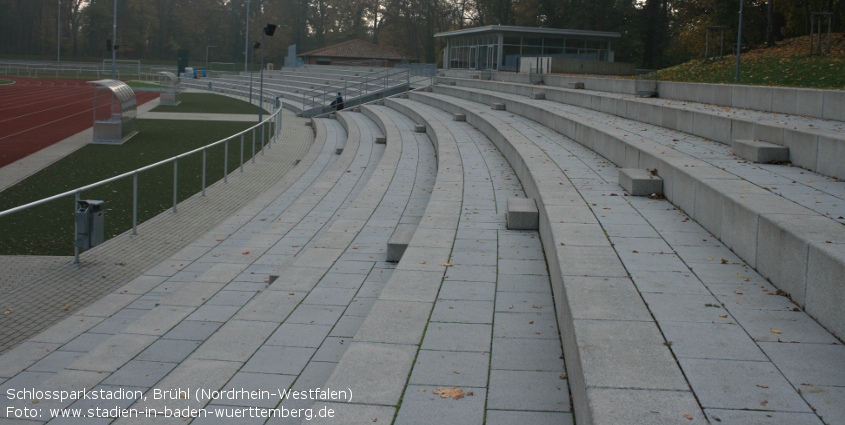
(807,16)
(770,36)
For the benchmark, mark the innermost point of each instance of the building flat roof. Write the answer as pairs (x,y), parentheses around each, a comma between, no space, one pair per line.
(529,30)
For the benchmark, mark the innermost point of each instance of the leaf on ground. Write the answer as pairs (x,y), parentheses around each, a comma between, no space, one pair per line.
(67,307)
(764,402)
(775,331)
(215,255)
(738,292)
(723,316)
(446,264)
(245,253)
(762,386)
(8,311)
(455,393)
(724,261)
(688,416)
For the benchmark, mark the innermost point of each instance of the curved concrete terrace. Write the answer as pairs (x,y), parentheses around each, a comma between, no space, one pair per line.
(657,320)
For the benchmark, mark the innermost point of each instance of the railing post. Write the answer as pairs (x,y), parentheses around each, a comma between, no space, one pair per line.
(262,137)
(226,161)
(253,145)
(242,153)
(75,230)
(203,170)
(135,204)
(175,183)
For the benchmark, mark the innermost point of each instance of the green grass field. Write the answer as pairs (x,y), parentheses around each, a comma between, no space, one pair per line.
(49,229)
(4,82)
(788,64)
(200,103)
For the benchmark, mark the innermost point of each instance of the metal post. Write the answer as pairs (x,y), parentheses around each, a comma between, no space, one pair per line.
(252,61)
(175,183)
(707,43)
(75,230)
(253,145)
(59,35)
(203,171)
(242,153)
(206,56)
(246,47)
(114,42)
(261,86)
(262,138)
(739,42)
(226,162)
(135,204)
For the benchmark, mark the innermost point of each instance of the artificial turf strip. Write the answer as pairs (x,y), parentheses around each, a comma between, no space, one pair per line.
(210,104)
(49,229)
(4,82)
(142,85)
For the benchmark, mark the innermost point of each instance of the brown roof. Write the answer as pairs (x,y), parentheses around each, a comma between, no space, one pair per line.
(358,49)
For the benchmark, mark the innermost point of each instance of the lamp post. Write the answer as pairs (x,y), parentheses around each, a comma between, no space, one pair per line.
(739,42)
(206,56)
(255,46)
(59,35)
(268,30)
(246,41)
(114,43)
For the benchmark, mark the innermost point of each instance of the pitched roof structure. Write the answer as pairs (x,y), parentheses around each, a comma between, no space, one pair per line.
(358,49)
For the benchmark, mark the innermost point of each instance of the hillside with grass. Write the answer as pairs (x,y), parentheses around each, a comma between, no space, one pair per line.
(789,63)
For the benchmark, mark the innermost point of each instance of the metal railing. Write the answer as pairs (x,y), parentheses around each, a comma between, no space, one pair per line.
(419,72)
(273,121)
(360,86)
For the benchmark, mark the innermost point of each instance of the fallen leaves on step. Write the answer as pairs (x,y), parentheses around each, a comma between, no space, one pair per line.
(455,393)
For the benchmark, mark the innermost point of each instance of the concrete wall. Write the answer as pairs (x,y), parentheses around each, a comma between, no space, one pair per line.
(824,104)
(578,66)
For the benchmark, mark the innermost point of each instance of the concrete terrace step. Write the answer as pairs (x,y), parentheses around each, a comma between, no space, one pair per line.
(776,238)
(621,360)
(126,257)
(160,284)
(665,281)
(217,359)
(382,352)
(814,144)
(498,276)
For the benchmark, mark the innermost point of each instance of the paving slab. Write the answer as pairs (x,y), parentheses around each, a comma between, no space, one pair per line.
(737,384)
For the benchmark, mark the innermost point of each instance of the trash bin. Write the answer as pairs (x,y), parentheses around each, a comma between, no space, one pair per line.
(204,73)
(90,223)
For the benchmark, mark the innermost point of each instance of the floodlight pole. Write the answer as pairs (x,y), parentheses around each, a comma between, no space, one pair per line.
(59,35)
(114,42)
(246,37)
(252,63)
(261,88)
(206,56)
(267,28)
(739,42)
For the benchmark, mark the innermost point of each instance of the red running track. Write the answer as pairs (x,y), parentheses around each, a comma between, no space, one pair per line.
(36,113)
